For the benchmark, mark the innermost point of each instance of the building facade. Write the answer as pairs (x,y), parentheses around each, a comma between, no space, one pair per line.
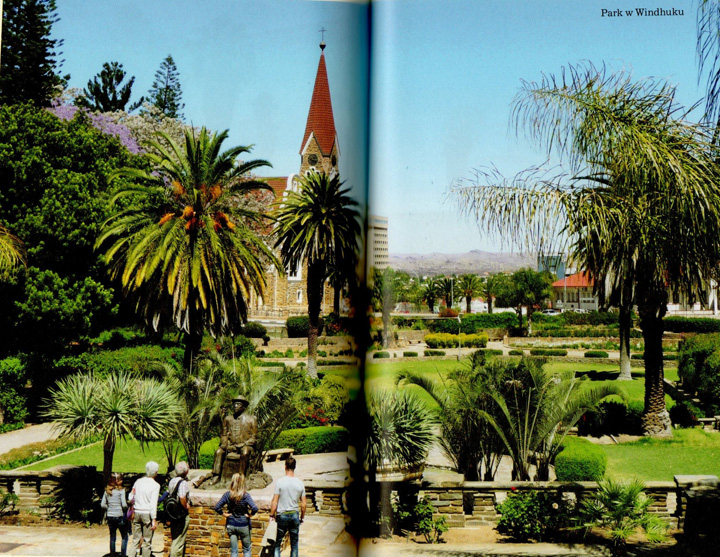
(378,256)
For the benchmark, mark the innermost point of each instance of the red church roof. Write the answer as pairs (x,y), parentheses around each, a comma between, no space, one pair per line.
(578,280)
(278,185)
(320,119)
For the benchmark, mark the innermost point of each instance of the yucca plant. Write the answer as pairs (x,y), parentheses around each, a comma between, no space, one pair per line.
(11,250)
(115,407)
(181,241)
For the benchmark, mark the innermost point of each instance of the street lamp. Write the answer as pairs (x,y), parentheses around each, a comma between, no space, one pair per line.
(459,324)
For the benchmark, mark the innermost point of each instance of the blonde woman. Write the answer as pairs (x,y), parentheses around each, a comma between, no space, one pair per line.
(115,505)
(240,507)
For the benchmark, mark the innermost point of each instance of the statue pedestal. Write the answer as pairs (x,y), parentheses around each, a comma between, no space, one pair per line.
(232,464)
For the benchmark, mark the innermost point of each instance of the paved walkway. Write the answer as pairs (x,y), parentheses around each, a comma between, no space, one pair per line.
(30,434)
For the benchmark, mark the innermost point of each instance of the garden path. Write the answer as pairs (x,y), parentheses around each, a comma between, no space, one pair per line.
(26,436)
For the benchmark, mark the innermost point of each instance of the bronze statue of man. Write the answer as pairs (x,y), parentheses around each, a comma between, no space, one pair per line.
(237,441)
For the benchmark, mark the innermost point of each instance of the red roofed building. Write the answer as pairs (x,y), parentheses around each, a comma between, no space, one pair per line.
(286,295)
(574,292)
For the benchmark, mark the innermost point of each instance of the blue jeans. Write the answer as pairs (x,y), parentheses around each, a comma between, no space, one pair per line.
(288,522)
(242,532)
(116,523)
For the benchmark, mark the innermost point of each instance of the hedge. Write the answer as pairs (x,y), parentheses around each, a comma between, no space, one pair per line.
(253,330)
(580,461)
(491,351)
(446,340)
(433,352)
(593,318)
(677,324)
(516,353)
(322,362)
(474,322)
(548,352)
(699,369)
(410,354)
(596,354)
(311,440)
(298,327)
(381,355)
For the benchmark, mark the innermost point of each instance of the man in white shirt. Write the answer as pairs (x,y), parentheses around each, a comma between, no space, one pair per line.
(144,497)
(179,527)
(288,508)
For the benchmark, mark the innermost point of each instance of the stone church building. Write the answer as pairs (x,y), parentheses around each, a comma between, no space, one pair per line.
(286,295)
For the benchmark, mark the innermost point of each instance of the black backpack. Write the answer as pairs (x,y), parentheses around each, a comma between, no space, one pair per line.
(173,507)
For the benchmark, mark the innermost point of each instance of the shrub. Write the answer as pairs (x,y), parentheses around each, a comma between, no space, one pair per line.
(699,367)
(608,418)
(298,327)
(580,461)
(447,340)
(313,440)
(132,359)
(596,354)
(431,528)
(381,355)
(206,455)
(532,515)
(433,352)
(640,356)
(322,362)
(685,414)
(410,354)
(448,312)
(254,330)
(677,324)
(547,352)
(289,353)
(272,364)
(491,351)
(516,353)
(12,382)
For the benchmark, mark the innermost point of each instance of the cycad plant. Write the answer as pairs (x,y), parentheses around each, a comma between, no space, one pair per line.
(464,400)
(535,411)
(623,509)
(181,241)
(115,407)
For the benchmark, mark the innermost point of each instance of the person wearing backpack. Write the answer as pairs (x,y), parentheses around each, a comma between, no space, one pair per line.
(240,507)
(177,505)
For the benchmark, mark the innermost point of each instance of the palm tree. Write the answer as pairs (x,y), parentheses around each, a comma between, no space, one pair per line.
(468,287)
(316,226)
(638,201)
(117,407)
(430,293)
(446,289)
(489,287)
(385,288)
(180,241)
(11,250)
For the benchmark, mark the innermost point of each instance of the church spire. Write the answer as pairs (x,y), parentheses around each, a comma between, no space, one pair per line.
(319,146)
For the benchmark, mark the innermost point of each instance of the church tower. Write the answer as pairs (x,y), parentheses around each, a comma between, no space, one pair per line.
(319,150)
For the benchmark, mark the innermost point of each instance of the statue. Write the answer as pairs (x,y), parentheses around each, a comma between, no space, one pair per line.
(237,442)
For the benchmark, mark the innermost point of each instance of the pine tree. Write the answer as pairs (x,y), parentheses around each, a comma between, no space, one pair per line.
(28,65)
(106,92)
(165,92)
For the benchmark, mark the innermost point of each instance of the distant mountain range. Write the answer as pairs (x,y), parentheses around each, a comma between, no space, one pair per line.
(476,261)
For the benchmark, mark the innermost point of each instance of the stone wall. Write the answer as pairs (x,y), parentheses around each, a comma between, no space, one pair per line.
(206,535)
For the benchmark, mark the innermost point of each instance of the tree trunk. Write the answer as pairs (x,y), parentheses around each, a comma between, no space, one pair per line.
(652,305)
(625,325)
(386,327)
(518,311)
(490,304)
(315,282)
(108,453)
(468,301)
(336,300)
(193,343)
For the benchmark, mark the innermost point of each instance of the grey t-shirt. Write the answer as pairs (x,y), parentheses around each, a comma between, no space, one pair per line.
(290,490)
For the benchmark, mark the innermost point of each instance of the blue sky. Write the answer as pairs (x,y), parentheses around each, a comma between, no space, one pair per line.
(444,73)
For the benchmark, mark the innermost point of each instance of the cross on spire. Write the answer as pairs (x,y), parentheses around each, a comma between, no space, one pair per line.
(322,43)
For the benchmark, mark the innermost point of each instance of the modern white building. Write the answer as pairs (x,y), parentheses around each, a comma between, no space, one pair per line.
(378,256)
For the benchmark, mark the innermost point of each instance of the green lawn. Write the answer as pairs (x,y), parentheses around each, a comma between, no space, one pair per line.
(690,451)
(129,457)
